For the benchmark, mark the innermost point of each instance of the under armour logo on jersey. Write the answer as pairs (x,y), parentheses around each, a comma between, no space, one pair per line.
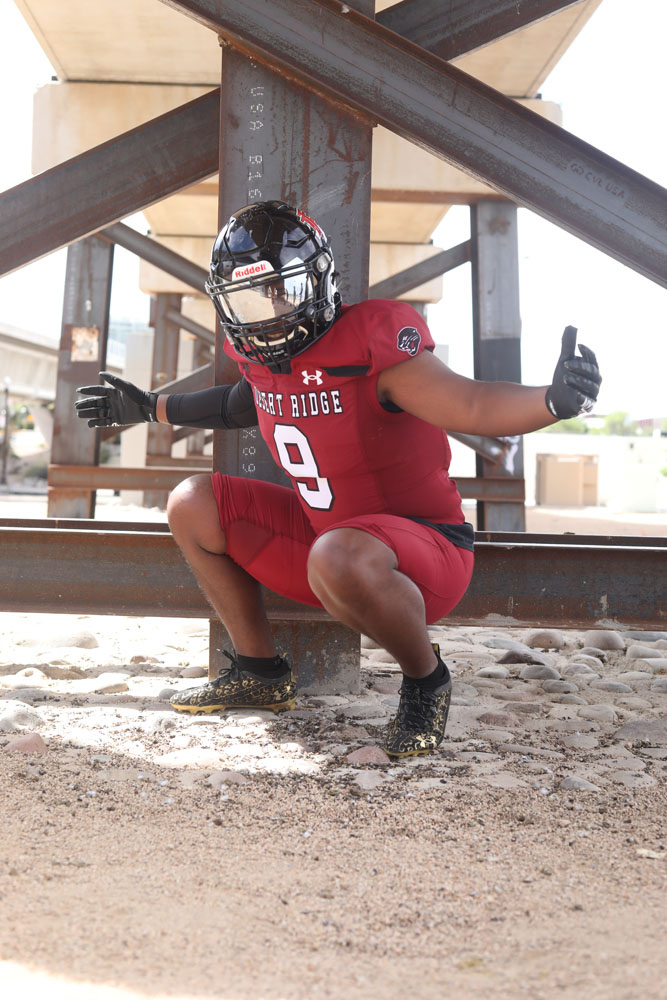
(316,377)
(408,340)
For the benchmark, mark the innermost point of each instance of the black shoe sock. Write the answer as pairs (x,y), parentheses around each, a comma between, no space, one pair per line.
(435,679)
(264,666)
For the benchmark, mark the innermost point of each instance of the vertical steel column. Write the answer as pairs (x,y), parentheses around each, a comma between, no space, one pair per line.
(83,348)
(166,339)
(497,336)
(196,442)
(278,140)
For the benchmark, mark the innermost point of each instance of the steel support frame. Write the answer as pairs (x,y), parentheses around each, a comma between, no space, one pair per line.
(426,270)
(393,81)
(160,475)
(192,326)
(82,354)
(110,181)
(150,250)
(496,319)
(340,53)
(281,140)
(638,268)
(166,342)
(465,25)
(107,569)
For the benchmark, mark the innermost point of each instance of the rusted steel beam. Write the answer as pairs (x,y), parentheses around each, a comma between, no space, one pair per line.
(100,571)
(493,449)
(152,251)
(282,140)
(339,52)
(496,337)
(82,354)
(498,537)
(493,489)
(188,432)
(192,462)
(109,182)
(80,524)
(464,25)
(116,572)
(116,477)
(192,326)
(164,473)
(412,277)
(166,343)
(577,586)
(568,538)
(200,378)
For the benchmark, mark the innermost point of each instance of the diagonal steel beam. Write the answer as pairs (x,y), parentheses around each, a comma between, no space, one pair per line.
(465,25)
(426,270)
(153,252)
(192,326)
(109,182)
(353,59)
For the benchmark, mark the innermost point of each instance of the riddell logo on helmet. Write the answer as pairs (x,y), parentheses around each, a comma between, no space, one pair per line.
(309,222)
(248,270)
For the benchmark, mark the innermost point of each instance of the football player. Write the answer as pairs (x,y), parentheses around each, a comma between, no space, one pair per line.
(354,406)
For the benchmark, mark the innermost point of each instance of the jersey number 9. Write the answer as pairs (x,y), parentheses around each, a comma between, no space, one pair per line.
(297,459)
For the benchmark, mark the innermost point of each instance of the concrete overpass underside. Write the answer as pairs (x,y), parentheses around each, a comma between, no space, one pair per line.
(33,362)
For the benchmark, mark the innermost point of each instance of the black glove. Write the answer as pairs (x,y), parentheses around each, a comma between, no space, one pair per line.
(576,381)
(116,405)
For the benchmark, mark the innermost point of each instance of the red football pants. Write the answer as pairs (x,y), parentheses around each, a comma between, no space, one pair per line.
(269,535)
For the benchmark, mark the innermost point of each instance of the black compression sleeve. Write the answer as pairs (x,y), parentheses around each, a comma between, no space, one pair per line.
(227,406)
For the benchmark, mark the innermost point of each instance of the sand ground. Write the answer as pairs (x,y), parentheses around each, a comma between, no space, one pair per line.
(148,854)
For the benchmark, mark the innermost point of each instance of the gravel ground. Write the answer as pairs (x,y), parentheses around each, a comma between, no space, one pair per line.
(149,854)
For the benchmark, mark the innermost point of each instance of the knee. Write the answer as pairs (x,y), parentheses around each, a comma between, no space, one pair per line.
(345,561)
(192,509)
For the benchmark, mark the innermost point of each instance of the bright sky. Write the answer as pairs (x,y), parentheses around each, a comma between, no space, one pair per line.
(611,85)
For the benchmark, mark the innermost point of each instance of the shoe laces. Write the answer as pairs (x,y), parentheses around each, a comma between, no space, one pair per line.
(232,672)
(416,707)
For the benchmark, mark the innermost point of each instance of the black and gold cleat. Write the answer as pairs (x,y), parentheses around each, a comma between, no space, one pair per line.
(419,724)
(236,688)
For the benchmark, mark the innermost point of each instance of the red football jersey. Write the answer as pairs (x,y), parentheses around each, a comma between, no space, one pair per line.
(345,454)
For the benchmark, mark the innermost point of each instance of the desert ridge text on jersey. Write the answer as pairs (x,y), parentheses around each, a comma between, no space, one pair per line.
(298,405)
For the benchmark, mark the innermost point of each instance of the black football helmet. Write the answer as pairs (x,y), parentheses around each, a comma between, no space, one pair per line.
(272,282)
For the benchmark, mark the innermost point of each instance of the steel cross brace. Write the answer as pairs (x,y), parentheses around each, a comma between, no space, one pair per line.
(350,58)
(466,25)
(412,277)
(109,182)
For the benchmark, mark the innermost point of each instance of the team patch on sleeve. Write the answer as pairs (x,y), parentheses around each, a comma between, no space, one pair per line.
(409,340)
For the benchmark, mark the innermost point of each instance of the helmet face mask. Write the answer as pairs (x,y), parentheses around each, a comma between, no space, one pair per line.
(272,282)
